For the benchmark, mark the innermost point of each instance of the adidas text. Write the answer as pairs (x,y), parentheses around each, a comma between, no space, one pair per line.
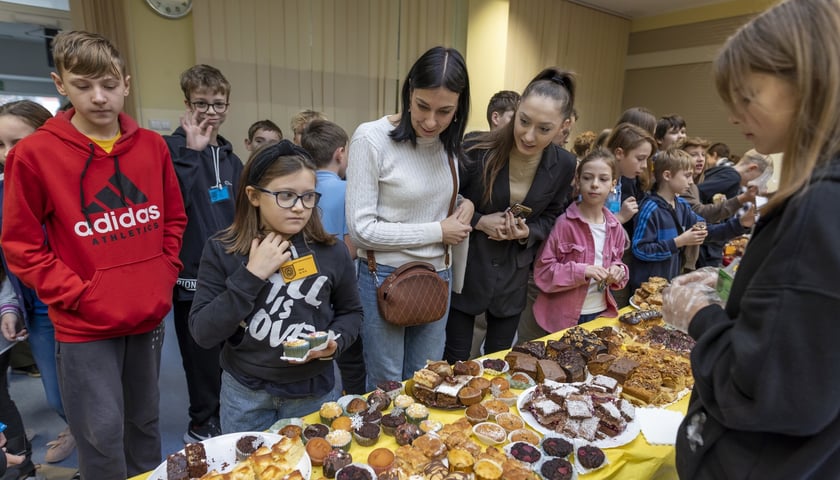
(111,222)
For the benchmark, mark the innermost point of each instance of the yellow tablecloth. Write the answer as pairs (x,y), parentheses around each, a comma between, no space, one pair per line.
(636,460)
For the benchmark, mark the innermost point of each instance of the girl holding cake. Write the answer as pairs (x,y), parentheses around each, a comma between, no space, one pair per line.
(581,259)
(766,395)
(271,287)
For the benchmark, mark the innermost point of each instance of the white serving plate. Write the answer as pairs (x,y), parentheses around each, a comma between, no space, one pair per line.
(221,454)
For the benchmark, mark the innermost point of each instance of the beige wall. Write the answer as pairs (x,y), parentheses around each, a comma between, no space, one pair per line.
(485,56)
(161,49)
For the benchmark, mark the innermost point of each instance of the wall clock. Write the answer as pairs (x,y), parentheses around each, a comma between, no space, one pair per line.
(171,8)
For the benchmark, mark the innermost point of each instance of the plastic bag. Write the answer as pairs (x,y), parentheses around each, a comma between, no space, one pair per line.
(687,294)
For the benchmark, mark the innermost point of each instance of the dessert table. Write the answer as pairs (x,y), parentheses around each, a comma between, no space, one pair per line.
(637,459)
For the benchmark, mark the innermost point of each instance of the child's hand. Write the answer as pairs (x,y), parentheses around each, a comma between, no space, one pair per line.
(748,218)
(198,134)
(8,325)
(628,208)
(691,237)
(327,352)
(616,275)
(594,272)
(267,255)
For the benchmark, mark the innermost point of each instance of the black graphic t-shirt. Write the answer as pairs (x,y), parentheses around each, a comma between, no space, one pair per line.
(254,317)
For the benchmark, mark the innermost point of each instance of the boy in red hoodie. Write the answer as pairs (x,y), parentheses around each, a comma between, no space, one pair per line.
(93,220)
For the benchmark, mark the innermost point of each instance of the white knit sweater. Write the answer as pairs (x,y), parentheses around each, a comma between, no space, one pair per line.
(397,195)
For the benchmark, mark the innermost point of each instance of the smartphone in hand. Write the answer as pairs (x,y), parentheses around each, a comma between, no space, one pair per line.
(519,210)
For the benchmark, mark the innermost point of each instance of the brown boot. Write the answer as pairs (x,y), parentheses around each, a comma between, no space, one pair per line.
(61,447)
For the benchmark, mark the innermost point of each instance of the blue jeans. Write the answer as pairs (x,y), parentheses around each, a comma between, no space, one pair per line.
(395,353)
(42,342)
(246,410)
(588,317)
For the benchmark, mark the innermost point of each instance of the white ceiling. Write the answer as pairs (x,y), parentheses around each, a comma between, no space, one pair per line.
(643,8)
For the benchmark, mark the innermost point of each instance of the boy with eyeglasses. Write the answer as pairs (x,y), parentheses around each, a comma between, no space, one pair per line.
(208,172)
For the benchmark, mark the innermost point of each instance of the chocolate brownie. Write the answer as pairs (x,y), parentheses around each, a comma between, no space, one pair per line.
(556,469)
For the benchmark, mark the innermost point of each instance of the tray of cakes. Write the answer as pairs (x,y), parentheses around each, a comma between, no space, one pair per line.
(238,455)
(593,411)
(445,386)
(649,295)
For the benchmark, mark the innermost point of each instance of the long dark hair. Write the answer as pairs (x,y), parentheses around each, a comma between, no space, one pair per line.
(553,83)
(265,164)
(438,67)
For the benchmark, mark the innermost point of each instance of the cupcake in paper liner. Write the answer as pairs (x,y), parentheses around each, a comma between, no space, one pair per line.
(246,445)
(340,439)
(588,458)
(295,348)
(329,412)
(316,339)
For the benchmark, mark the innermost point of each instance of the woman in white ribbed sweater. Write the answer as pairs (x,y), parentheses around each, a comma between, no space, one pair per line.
(399,186)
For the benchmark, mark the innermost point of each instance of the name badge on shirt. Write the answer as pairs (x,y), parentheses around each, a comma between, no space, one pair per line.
(298,268)
(220,193)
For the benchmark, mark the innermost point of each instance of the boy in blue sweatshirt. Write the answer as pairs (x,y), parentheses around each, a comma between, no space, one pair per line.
(666,223)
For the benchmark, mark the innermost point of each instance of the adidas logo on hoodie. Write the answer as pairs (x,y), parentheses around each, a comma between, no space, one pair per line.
(102,221)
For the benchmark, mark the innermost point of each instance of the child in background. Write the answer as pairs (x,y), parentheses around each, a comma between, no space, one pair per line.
(301,120)
(326,142)
(103,191)
(262,132)
(670,131)
(245,303)
(18,120)
(581,259)
(208,172)
(667,223)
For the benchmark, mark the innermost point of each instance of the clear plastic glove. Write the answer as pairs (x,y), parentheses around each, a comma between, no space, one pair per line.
(687,294)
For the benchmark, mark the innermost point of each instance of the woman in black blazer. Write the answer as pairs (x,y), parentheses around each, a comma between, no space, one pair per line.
(517,165)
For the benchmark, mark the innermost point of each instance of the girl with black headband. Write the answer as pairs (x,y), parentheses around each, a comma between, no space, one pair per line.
(280,293)
(519,182)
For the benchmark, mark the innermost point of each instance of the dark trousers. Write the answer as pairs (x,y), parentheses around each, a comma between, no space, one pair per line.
(112,401)
(9,414)
(351,365)
(459,333)
(201,366)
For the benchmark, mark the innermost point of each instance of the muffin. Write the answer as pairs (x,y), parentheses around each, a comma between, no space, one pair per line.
(381,459)
(354,472)
(406,433)
(291,431)
(480,383)
(318,449)
(339,439)
(556,469)
(416,413)
(342,423)
(367,434)
(356,405)
(329,412)
(316,339)
(374,416)
(476,414)
(500,383)
(490,433)
(495,407)
(525,452)
(391,387)
(469,396)
(557,447)
(316,430)
(391,422)
(379,400)
(403,401)
(335,461)
(510,421)
(524,435)
(590,457)
(295,348)
(430,445)
(247,445)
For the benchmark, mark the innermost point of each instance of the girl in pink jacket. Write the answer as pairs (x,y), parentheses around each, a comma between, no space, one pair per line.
(580,261)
